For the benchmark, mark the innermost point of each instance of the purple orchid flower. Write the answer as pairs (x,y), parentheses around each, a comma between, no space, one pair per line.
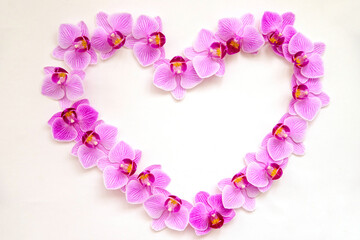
(168,211)
(95,144)
(308,98)
(149,182)
(119,166)
(112,33)
(306,57)
(209,213)
(176,75)
(147,40)
(69,124)
(286,138)
(207,55)
(240,34)
(74,46)
(277,29)
(62,85)
(262,170)
(238,192)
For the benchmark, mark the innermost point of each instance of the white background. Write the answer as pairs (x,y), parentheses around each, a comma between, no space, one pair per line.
(45,193)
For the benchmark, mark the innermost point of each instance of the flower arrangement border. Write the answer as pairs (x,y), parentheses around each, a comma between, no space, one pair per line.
(96,142)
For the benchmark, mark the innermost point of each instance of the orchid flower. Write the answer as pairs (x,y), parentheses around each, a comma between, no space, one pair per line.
(240,34)
(119,166)
(207,55)
(69,124)
(61,85)
(209,213)
(95,144)
(149,182)
(168,211)
(74,46)
(111,33)
(286,138)
(308,98)
(277,29)
(147,40)
(262,170)
(238,192)
(176,75)
(306,57)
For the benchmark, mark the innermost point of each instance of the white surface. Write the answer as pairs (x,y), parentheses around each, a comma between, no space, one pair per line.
(44,192)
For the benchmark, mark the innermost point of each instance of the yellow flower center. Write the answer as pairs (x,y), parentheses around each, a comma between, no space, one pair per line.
(234,44)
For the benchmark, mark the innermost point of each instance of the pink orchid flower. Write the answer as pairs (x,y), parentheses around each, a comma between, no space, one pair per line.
(95,144)
(262,170)
(168,211)
(286,138)
(238,192)
(277,29)
(119,166)
(308,98)
(240,34)
(306,57)
(209,213)
(176,75)
(149,182)
(69,124)
(207,55)
(111,33)
(74,46)
(147,40)
(61,85)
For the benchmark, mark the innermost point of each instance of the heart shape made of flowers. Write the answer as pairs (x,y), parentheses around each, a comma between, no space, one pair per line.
(96,142)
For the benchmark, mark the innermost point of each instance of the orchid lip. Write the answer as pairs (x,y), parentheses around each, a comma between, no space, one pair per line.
(217,50)
(59,76)
(300,92)
(233,45)
(146,178)
(128,167)
(69,116)
(173,203)
(178,65)
(274,171)
(116,39)
(82,44)
(281,131)
(216,220)
(156,40)
(240,181)
(90,139)
(300,59)
(276,38)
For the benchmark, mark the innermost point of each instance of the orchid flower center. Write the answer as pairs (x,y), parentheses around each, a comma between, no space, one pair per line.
(157,39)
(240,181)
(116,39)
(91,139)
(216,220)
(281,131)
(217,50)
(178,65)
(82,44)
(233,45)
(69,116)
(59,76)
(274,171)
(173,203)
(128,167)
(300,92)
(146,178)
(300,59)
(276,38)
